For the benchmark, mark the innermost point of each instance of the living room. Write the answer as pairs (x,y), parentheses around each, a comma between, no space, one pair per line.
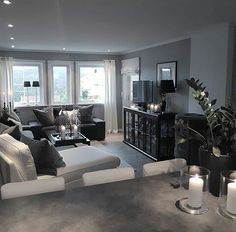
(76,61)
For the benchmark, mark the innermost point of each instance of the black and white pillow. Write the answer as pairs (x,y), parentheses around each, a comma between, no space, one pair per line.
(11,119)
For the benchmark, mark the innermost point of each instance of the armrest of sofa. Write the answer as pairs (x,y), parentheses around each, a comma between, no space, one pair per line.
(32,187)
(35,127)
(101,128)
(98,121)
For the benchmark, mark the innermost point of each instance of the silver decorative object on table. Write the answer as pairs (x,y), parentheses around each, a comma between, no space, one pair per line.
(227,198)
(195,180)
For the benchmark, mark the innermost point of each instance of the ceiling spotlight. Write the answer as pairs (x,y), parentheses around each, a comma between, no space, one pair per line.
(10,25)
(12,46)
(12,38)
(108,50)
(63,49)
(7,2)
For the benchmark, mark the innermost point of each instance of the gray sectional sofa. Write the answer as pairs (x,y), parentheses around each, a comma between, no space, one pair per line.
(17,164)
(94,130)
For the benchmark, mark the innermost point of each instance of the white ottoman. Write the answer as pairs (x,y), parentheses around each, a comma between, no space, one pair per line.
(84,159)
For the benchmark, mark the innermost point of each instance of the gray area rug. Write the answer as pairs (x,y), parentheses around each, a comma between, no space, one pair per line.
(127,154)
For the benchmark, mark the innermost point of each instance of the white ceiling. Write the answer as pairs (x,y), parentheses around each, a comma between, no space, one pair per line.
(94,26)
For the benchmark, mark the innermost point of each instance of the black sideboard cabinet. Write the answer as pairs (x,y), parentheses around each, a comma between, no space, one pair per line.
(152,134)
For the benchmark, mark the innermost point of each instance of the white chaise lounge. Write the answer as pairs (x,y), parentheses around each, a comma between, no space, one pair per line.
(17,165)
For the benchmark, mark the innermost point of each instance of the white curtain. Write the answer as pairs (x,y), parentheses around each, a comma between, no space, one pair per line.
(110,97)
(6,81)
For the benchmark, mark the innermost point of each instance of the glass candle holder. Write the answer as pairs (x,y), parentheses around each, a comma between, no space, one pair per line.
(195,180)
(227,198)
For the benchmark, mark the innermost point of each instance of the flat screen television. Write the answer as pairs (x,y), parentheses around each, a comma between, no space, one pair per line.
(142,92)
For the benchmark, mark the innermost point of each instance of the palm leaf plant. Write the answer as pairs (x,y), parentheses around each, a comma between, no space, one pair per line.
(219,138)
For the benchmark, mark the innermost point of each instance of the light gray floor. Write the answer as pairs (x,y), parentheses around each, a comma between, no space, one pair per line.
(114,143)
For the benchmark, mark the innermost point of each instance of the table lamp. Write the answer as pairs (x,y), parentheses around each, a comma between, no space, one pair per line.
(36,84)
(27,85)
(166,86)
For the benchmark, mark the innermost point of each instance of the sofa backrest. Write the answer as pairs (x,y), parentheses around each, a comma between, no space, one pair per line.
(27,115)
(16,161)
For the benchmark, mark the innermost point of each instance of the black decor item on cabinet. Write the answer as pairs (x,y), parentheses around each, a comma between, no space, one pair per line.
(151,134)
(166,86)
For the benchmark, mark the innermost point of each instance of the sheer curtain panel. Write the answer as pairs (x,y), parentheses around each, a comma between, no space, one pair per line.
(110,97)
(6,78)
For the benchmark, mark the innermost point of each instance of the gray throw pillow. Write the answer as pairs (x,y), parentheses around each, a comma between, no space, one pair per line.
(86,113)
(3,127)
(46,157)
(13,131)
(45,116)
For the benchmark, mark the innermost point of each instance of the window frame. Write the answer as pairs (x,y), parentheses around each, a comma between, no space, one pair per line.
(42,73)
(79,64)
(70,81)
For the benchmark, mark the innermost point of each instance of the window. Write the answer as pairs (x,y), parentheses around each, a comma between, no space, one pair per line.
(27,71)
(60,81)
(90,82)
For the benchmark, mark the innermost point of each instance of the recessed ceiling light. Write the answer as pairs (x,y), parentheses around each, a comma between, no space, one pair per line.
(7,2)
(12,46)
(12,38)
(63,49)
(108,50)
(10,25)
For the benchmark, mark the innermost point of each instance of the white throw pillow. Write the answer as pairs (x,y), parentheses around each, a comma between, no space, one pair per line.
(20,155)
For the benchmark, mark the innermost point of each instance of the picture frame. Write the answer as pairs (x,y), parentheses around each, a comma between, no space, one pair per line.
(166,71)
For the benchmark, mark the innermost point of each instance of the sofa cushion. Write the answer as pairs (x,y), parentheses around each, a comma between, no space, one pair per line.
(86,113)
(84,159)
(46,157)
(45,116)
(20,155)
(3,127)
(10,118)
(14,131)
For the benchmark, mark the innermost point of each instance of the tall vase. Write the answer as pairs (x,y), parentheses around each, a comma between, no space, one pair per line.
(215,165)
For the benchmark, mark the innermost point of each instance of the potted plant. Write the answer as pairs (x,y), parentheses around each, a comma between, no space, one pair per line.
(217,151)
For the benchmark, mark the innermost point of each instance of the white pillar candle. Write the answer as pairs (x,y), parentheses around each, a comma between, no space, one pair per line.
(75,129)
(155,108)
(63,132)
(195,192)
(231,198)
(151,107)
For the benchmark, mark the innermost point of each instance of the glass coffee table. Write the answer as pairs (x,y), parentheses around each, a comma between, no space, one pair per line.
(55,138)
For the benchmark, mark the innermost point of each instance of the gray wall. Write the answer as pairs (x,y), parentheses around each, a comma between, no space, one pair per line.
(177,51)
(73,57)
(234,74)
(211,62)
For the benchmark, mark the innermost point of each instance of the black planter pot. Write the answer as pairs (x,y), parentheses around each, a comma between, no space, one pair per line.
(215,165)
